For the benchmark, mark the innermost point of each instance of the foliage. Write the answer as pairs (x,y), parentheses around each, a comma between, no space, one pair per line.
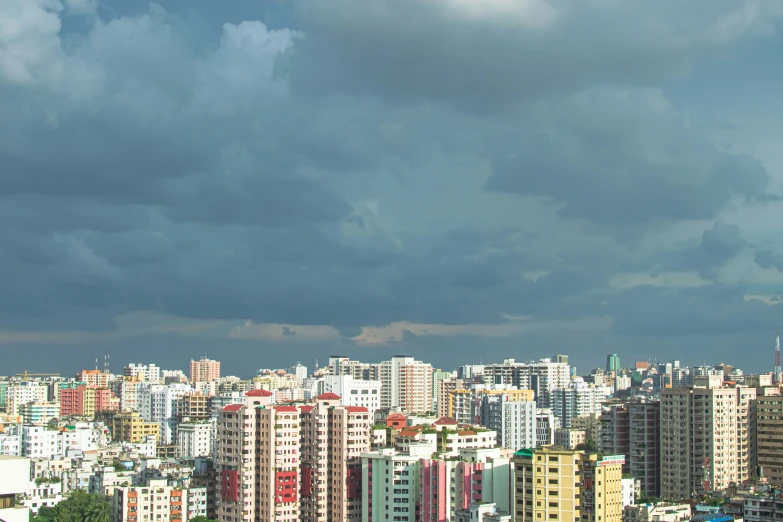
(202,519)
(80,506)
(379,426)
(589,446)
(44,480)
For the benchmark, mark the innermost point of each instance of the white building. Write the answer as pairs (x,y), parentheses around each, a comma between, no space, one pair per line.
(514,421)
(541,376)
(578,400)
(11,441)
(380,501)
(481,512)
(39,412)
(194,440)
(406,384)
(158,403)
(300,371)
(14,480)
(18,395)
(157,501)
(570,438)
(83,436)
(149,373)
(197,502)
(40,442)
(546,424)
(43,493)
(354,392)
(629,492)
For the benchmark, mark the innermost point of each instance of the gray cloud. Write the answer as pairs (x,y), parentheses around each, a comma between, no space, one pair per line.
(352,164)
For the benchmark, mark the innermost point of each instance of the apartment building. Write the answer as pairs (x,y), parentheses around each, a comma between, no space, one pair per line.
(194,440)
(95,378)
(354,392)
(570,438)
(768,420)
(541,376)
(445,387)
(513,420)
(699,440)
(284,463)
(148,373)
(158,501)
(204,370)
(579,399)
(406,384)
(18,395)
(552,483)
(39,442)
(131,427)
(39,412)
(546,424)
(390,485)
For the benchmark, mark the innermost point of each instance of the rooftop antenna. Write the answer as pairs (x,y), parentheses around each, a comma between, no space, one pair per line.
(777,376)
(96,364)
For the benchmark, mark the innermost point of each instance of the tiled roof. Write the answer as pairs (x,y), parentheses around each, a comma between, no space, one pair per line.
(259,393)
(357,409)
(287,409)
(328,397)
(445,420)
(233,407)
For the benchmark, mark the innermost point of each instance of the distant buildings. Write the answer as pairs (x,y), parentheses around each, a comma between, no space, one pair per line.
(204,370)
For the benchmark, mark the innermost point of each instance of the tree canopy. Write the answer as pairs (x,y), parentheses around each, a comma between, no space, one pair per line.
(80,506)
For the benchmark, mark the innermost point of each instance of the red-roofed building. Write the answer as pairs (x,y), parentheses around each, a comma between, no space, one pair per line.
(396,421)
(445,421)
(259,393)
(328,397)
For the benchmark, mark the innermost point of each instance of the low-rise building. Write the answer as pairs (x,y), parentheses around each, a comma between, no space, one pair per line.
(663,512)
(14,481)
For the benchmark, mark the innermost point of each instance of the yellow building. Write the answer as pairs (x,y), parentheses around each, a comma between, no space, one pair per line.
(556,484)
(130,427)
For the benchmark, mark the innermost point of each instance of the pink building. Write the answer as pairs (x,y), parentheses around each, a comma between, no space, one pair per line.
(447,486)
(204,370)
(286,462)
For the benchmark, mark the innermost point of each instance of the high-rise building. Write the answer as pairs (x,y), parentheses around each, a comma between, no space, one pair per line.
(613,363)
(513,420)
(300,371)
(699,440)
(18,395)
(391,484)
(546,424)
(768,420)
(289,463)
(354,392)
(407,384)
(644,445)
(194,440)
(148,373)
(578,400)
(206,370)
(95,378)
(559,484)
(542,377)
(14,482)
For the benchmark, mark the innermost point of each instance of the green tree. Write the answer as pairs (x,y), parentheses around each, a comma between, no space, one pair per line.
(202,519)
(589,446)
(80,506)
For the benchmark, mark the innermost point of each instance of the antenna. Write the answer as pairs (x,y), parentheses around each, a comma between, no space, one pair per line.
(777,377)
(106,363)
(96,364)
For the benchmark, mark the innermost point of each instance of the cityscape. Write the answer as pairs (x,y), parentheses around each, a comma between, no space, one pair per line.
(396,440)
(391,261)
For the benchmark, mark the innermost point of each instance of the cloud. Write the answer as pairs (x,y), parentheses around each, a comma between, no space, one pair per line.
(376,173)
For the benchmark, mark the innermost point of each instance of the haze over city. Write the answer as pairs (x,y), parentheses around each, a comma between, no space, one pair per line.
(271,181)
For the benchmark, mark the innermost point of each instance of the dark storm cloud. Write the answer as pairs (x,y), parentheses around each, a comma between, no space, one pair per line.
(623,158)
(347,163)
(766,258)
(718,245)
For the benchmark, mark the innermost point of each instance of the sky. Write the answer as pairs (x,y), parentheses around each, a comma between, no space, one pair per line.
(268,181)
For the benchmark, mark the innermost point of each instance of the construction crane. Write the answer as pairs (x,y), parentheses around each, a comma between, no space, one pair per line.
(27,374)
